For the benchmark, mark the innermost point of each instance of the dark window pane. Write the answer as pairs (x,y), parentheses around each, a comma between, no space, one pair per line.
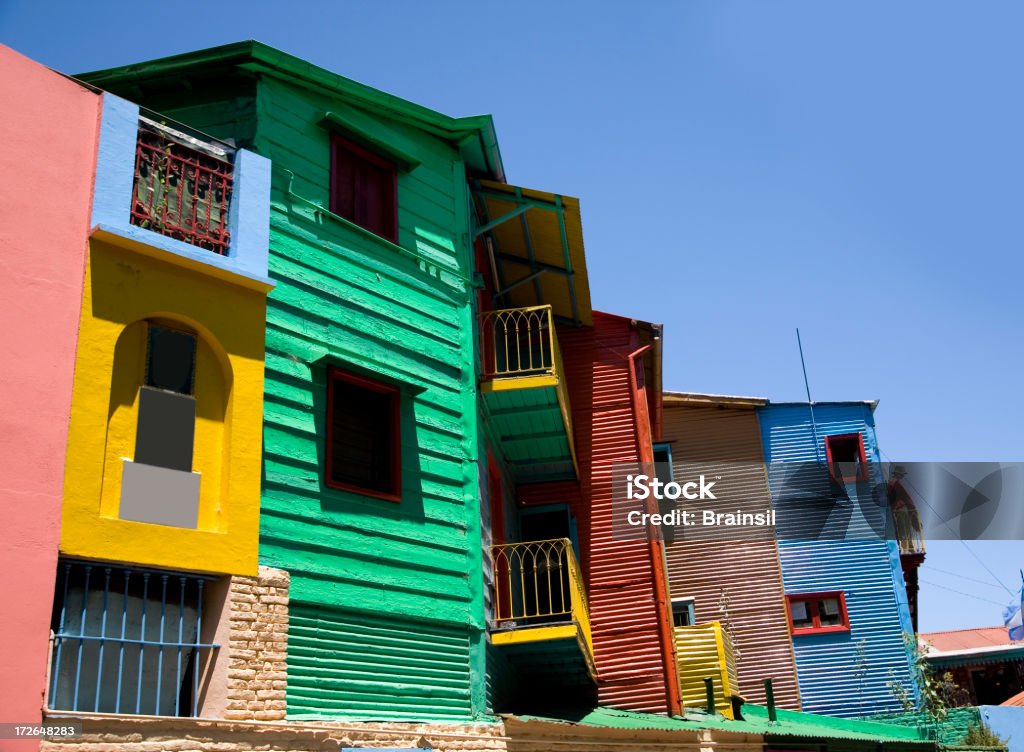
(801,614)
(363,431)
(845,454)
(166,429)
(171,358)
(343,172)
(681,613)
(662,463)
(829,612)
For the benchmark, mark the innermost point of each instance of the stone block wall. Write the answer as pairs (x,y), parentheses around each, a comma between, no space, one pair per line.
(246,681)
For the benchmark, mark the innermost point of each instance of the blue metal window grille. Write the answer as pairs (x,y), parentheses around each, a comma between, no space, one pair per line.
(127,640)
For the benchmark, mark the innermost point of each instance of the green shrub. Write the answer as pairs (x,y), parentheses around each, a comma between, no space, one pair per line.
(981,735)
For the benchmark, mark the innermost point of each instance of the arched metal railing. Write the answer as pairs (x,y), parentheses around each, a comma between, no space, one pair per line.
(539,583)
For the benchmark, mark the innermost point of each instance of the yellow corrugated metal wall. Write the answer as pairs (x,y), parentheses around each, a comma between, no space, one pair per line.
(702,653)
(742,574)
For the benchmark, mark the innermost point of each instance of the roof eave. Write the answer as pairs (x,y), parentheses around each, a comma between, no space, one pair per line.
(469,133)
(726,400)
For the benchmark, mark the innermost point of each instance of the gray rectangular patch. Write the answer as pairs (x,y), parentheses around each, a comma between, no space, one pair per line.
(159,495)
(166,429)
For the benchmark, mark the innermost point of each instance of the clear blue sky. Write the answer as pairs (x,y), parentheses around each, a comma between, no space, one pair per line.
(854,169)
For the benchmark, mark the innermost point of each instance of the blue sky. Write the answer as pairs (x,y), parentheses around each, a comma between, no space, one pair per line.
(744,168)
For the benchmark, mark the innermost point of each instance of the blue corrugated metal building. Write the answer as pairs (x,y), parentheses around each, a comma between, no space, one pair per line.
(843,582)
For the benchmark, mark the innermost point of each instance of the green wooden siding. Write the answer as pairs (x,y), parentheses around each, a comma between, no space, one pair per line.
(392,590)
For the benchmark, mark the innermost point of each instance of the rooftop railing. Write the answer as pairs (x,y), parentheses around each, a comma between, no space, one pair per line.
(182,187)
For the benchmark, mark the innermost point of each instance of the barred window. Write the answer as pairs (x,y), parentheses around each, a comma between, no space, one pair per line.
(127,640)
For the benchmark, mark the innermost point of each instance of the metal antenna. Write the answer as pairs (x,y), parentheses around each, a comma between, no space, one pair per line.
(810,402)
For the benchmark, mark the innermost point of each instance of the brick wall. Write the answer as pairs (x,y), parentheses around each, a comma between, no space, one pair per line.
(148,734)
(106,733)
(247,679)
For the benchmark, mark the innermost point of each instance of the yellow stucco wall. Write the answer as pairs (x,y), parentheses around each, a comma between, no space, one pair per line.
(123,290)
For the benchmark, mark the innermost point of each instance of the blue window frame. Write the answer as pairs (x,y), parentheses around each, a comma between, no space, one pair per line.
(682,612)
(663,462)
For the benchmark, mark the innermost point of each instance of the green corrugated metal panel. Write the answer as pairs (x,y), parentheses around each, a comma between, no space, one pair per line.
(502,678)
(791,726)
(793,723)
(346,664)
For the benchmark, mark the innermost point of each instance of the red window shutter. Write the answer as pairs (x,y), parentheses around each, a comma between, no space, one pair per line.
(343,168)
(364,189)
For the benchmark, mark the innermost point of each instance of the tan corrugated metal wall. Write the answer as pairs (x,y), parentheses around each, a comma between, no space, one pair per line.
(619,574)
(744,573)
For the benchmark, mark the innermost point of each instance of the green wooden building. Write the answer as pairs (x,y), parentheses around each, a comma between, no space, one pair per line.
(371,487)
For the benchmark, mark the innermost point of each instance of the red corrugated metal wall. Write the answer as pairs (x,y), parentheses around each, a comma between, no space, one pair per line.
(620,575)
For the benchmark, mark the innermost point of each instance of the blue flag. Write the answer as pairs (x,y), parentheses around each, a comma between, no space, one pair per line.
(1012,617)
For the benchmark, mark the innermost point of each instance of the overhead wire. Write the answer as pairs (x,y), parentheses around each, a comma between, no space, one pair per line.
(918,495)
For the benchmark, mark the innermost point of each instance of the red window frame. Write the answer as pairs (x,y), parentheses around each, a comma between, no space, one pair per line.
(815,618)
(862,473)
(390,229)
(395,493)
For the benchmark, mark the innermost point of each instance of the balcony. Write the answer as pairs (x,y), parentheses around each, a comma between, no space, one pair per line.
(182,187)
(705,651)
(524,388)
(170,192)
(541,617)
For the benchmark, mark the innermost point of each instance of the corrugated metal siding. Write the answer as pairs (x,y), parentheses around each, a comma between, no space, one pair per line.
(704,651)
(744,574)
(620,585)
(843,674)
(343,663)
(415,566)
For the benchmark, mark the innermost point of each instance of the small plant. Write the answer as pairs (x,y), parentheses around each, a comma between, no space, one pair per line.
(726,618)
(937,693)
(980,734)
(861,667)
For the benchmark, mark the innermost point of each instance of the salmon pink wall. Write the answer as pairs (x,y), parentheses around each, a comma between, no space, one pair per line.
(48,133)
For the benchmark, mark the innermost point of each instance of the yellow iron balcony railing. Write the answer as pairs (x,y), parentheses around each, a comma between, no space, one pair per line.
(519,350)
(539,584)
(519,342)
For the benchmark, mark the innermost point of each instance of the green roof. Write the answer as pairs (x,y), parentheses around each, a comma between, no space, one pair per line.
(257,57)
(794,723)
(789,724)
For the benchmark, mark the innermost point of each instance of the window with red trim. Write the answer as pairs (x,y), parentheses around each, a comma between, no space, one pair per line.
(363,451)
(847,460)
(814,613)
(364,188)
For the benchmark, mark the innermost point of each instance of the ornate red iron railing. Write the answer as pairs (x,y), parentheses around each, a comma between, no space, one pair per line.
(182,190)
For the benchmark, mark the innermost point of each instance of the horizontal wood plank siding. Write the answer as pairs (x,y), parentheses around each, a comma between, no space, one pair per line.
(387,614)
